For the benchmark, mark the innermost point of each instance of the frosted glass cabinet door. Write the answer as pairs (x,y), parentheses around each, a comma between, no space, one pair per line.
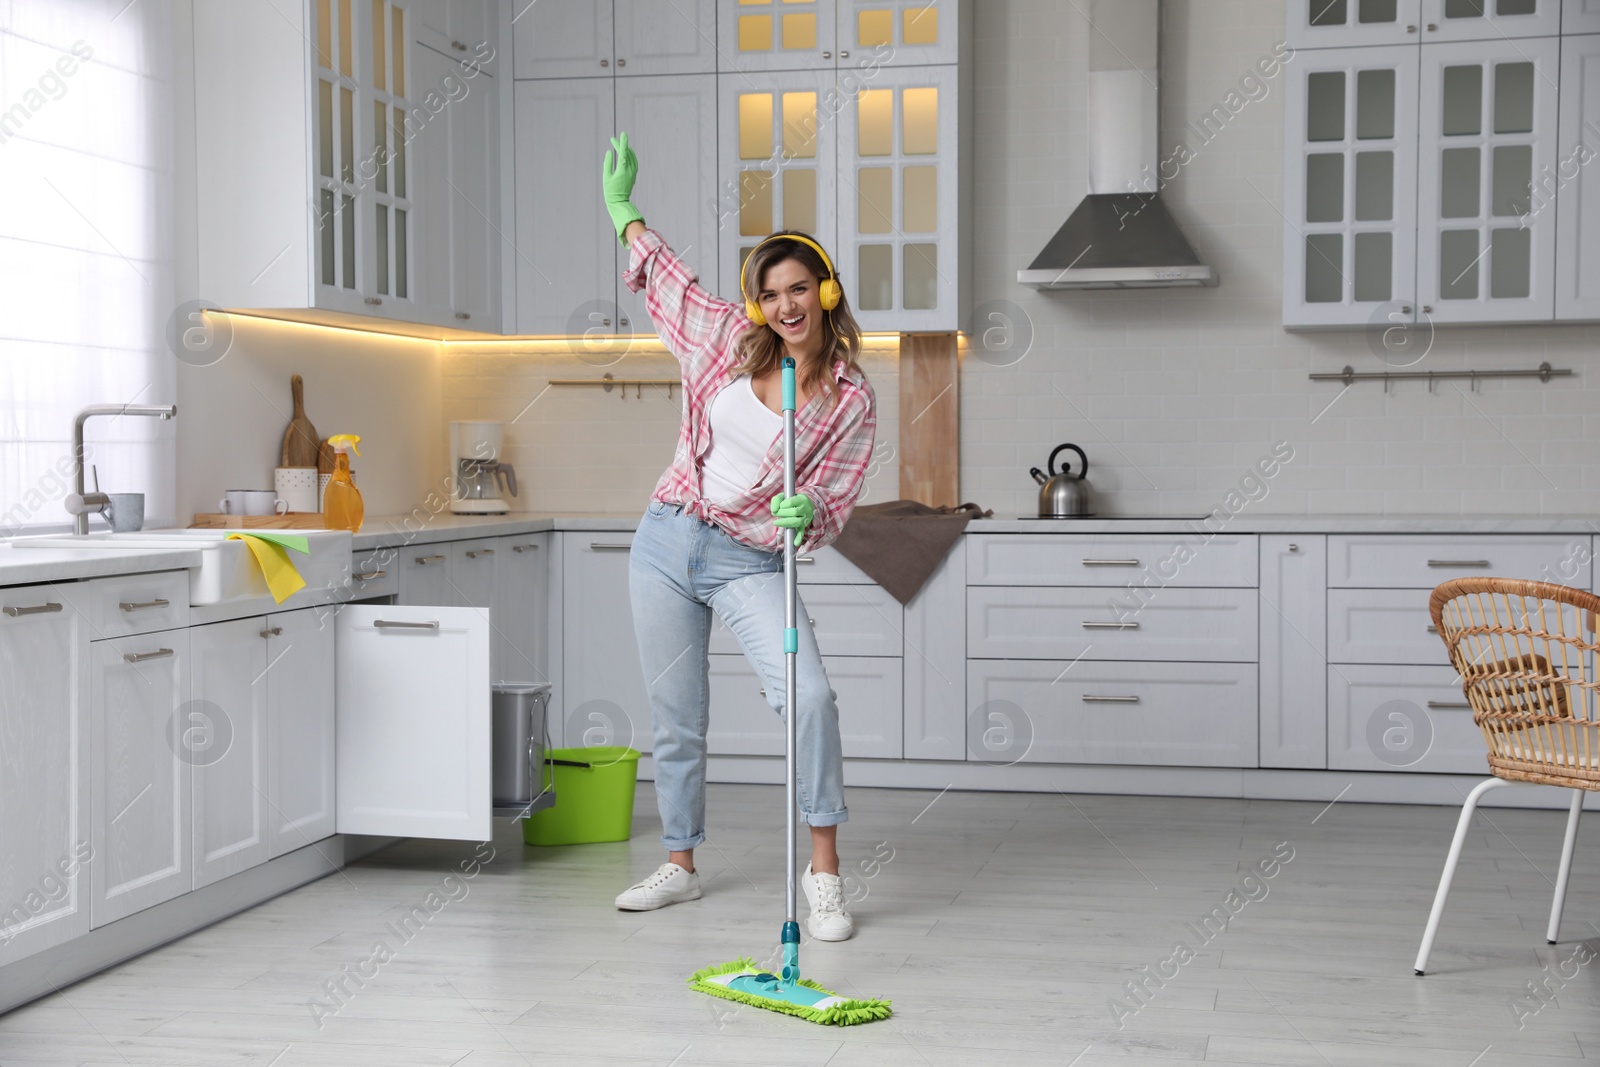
(897,200)
(1576,183)
(1329,23)
(1489,20)
(777,142)
(1488,118)
(897,32)
(665,37)
(1580,16)
(672,121)
(786,35)
(1349,187)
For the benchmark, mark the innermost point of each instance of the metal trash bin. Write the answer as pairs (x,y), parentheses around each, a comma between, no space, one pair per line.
(521,736)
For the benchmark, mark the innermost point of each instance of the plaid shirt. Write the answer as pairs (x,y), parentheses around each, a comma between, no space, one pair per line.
(833,445)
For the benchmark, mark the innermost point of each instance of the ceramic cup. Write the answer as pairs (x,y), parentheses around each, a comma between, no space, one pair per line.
(125,512)
(252,502)
(297,487)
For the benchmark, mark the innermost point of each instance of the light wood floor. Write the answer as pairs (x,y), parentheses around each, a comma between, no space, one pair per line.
(1003,927)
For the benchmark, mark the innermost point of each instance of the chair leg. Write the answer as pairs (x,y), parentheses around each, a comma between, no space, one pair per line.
(1450,867)
(1566,867)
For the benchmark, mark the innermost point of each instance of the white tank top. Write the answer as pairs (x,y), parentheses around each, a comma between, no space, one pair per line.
(742,430)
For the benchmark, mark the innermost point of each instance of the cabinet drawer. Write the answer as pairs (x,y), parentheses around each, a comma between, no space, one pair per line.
(826,566)
(134,603)
(867,690)
(849,620)
(422,575)
(1149,560)
(1166,714)
(1422,562)
(374,573)
(1390,718)
(1382,626)
(1208,625)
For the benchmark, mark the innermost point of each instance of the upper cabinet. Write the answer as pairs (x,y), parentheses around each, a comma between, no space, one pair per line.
(785,35)
(1489,20)
(757,35)
(1333,23)
(1422,180)
(347,161)
(604,38)
(1339,23)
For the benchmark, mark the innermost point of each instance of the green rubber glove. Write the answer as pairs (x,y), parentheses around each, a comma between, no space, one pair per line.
(617,175)
(793,513)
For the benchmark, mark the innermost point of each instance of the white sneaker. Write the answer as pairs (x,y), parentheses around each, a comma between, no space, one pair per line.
(828,920)
(670,884)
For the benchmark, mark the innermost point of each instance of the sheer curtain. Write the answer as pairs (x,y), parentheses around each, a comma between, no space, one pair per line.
(86,251)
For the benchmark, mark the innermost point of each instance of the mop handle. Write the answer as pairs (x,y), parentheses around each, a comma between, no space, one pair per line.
(791,645)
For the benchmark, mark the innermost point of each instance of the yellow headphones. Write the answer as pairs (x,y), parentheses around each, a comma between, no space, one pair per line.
(828,292)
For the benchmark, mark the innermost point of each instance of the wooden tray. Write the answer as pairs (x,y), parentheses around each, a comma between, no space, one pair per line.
(294,520)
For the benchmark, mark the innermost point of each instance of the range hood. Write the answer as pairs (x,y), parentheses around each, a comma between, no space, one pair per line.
(1121,236)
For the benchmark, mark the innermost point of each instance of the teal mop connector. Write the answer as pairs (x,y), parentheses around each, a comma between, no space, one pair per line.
(791,953)
(791,639)
(788,383)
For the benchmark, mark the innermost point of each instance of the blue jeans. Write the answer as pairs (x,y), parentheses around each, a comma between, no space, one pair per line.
(681,570)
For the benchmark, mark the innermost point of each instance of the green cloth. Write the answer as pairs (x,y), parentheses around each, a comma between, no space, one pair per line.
(295,542)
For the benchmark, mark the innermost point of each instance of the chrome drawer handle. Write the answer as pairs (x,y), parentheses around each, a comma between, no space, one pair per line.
(523,548)
(1449,705)
(1110,625)
(805,559)
(480,552)
(38,609)
(1090,698)
(385,624)
(140,657)
(141,605)
(1458,563)
(425,560)
(367,576)
(600,546)
(1110,563)
(272,631)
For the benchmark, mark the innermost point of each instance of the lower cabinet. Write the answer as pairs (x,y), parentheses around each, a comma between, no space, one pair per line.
(1154,714)
(605,701)
(301,655)
(867,690)
(221,734)
(44,752)
(521,643)
(141,824)
(1383,717)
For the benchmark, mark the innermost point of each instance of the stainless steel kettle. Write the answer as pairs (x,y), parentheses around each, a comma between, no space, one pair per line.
(1063,495)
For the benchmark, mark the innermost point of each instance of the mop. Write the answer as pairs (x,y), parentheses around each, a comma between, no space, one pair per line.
(743,980)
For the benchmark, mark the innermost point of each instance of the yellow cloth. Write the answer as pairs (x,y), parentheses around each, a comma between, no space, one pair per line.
(272,556)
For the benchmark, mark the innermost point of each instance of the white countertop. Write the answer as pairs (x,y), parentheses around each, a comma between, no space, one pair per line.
(28,565)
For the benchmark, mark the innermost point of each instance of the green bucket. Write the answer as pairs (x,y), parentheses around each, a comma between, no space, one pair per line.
(594,796)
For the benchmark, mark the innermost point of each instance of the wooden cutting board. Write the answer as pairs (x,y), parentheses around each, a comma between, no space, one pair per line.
(300,440)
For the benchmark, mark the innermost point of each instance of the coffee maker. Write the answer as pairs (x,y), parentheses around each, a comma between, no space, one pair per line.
(482,482)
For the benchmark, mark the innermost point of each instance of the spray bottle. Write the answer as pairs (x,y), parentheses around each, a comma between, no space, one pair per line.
(341,501)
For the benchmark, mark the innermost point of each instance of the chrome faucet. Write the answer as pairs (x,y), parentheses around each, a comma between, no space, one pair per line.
(79,504)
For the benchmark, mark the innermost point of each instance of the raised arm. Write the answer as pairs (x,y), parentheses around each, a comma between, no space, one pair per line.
(692,322)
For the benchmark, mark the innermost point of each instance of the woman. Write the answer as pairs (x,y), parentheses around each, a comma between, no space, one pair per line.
(710,539)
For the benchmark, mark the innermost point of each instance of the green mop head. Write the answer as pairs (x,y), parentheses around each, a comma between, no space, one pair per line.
(744,981)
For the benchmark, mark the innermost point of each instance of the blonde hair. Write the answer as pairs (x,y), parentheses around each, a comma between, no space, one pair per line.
(761,349)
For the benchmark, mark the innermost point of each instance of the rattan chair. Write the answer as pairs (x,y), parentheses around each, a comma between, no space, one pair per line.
(1526,655)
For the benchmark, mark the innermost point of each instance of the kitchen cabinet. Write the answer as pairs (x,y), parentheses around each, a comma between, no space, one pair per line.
(221,735)
(564,41)
(472,574)
(423,575)
(1580,16)
(1148,561)
(457,28)
(867,691)
(1350,187)
(822,34)
(567,248)
(301,729)
(1489,20)
(311,199)
(935,664)
(1572,192)
(1293,650)
(605,700)
(1209,625)
(1488,126)
(1420,561)
(44,734)
(1407,719)
(1332,23)
(521,609)
(672,122)
(413,741)
(608,38)
(784,35)
(141,828)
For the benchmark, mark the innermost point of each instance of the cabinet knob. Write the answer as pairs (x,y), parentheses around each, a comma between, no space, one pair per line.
(1405,309)
(605,62)
(844,53)
(1427,309)
(463,315)
(374,300)
(523,548)
(827,55)
(1294,548)
(480,552)
(623,322)
(622,62)
(605,322)
(458,46)
(1432,26)
(272,631)
(1411,29)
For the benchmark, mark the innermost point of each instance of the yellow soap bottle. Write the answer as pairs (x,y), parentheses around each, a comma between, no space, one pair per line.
(341,501)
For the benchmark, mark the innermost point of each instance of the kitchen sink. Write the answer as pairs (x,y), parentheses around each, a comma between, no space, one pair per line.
(227,570)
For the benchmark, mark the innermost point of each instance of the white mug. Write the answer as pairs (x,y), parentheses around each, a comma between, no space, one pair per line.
(252,502)
(297,487)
